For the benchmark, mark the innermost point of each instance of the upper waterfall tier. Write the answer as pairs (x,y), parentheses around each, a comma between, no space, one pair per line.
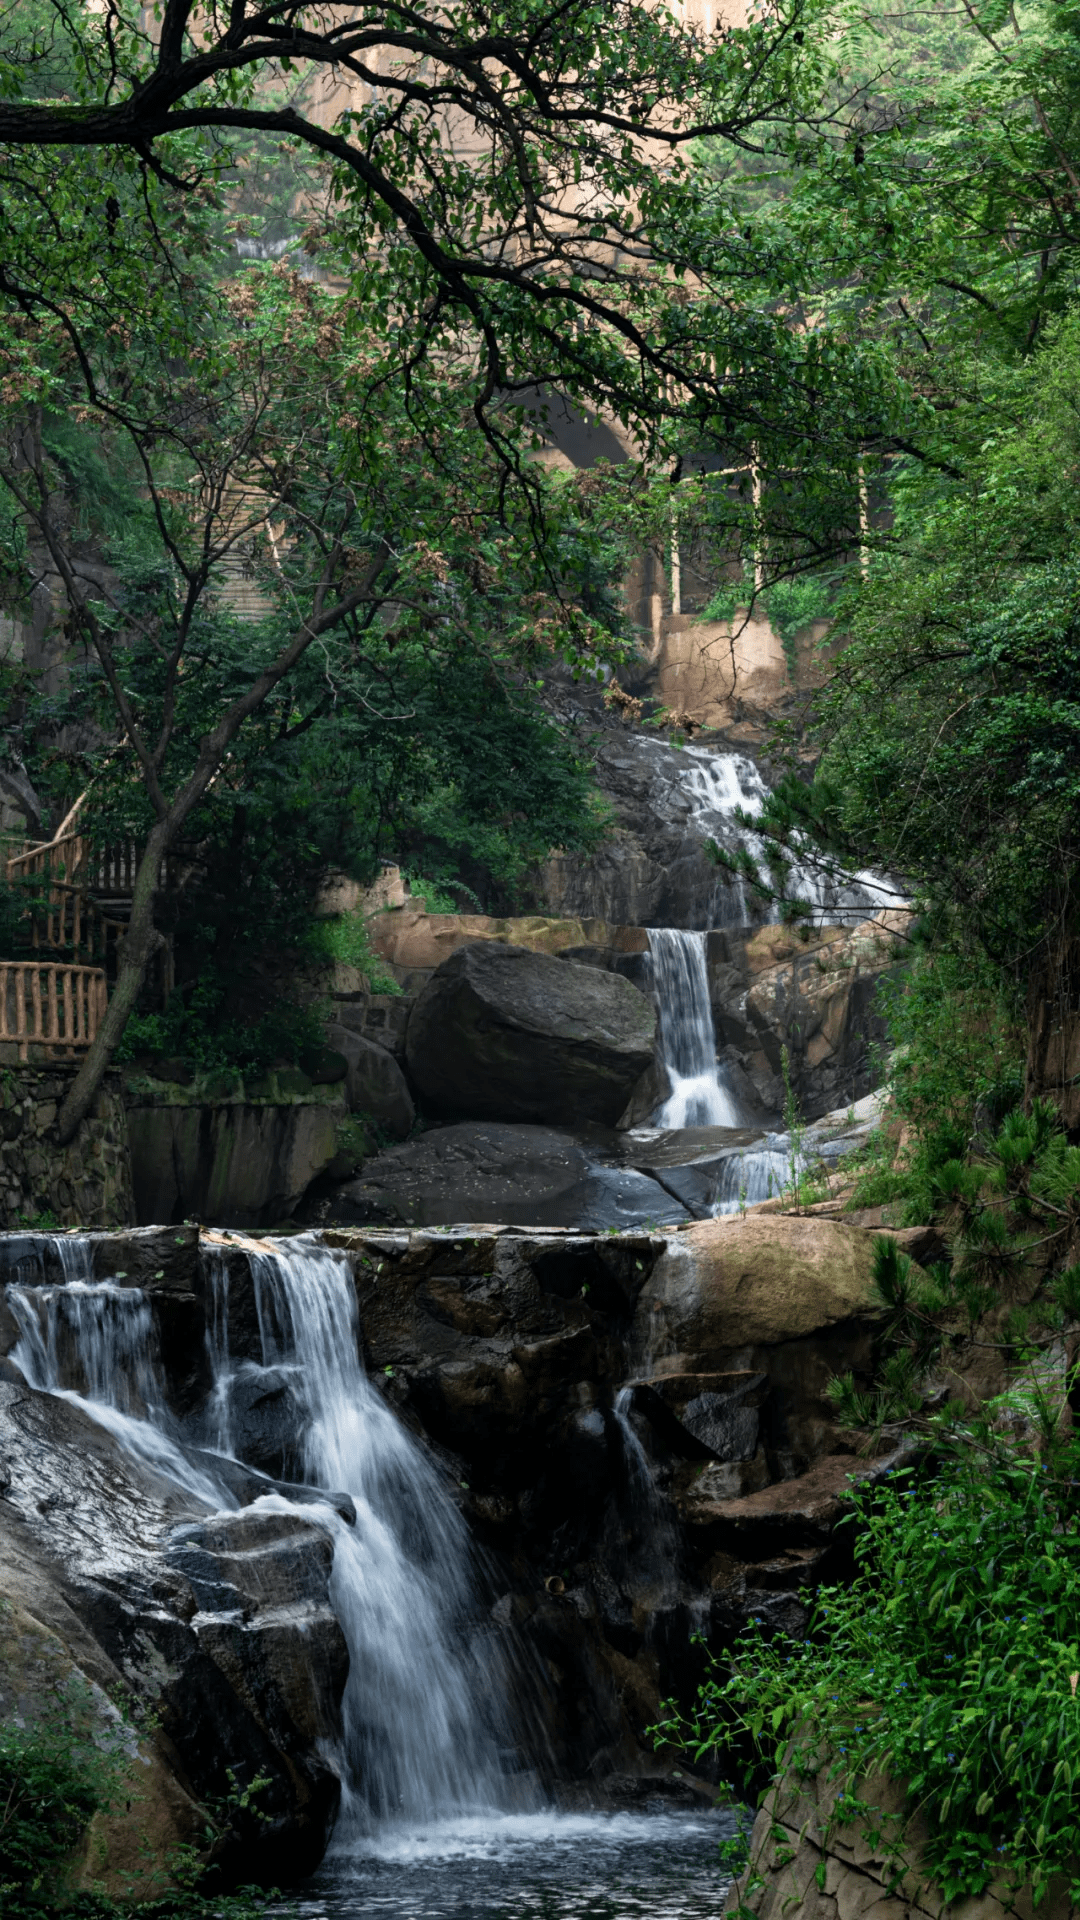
(700,1091)
(654,871)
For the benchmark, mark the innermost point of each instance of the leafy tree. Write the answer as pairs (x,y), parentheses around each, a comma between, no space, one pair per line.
(378,539)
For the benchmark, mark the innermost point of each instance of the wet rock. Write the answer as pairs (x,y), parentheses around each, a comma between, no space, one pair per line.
(374,1083)
(244,1665)
(503,1033)
(652,870)
(518,1175)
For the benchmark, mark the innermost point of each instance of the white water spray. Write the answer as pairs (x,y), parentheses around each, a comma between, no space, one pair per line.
(700,1093)
(90,1342)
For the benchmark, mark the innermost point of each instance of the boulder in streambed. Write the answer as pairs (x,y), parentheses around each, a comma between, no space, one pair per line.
(374,1083)
(516,1175)
(500,1033)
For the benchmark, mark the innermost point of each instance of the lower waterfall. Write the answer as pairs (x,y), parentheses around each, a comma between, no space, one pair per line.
(700,1095)
(418,1746)
(422,1709)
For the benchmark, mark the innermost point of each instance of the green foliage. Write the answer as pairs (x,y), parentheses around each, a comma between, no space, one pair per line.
(346,938)
(950,1664)
(805,1185)
(196,1026)
(1009,1212)
(55,1775)
(434,894)
(53,1778)
(954,1054)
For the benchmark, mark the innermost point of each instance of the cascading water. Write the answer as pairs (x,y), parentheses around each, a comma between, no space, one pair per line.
(700,1095)
(90,1342)
(421,1709)
(418,1706)
(757,1174)
(650,1514)
(423,1787)
(718,786)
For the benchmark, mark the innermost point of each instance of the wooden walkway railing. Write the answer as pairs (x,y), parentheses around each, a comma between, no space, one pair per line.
(48,1005)
(108,873)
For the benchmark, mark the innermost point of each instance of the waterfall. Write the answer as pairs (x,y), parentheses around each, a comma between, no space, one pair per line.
(757,1174)
(34,1257)
(700,1095)
(91,1342)
(719,785)
(650,1515)
(421,1708)
(417,1743)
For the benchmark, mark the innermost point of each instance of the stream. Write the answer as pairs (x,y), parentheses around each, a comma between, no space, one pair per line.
(449,1806)
(439,1816)
(649,1865)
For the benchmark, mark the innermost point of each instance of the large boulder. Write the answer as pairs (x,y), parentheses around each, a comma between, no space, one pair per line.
(518,1175)
(501,1033)
(374,1083)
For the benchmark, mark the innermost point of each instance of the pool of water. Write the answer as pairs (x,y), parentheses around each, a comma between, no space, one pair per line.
(535,1866)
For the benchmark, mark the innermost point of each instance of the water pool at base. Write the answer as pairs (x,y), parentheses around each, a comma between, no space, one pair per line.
(538,1866)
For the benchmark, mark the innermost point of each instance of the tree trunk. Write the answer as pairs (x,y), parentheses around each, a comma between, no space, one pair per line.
(1052,1070)
(137,949)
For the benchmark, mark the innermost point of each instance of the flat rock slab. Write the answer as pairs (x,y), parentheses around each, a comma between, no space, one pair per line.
(735,1282)
(519,1175)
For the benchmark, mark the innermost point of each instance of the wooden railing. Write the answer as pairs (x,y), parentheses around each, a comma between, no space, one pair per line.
(107,872)
(66,861)
(47,1005)
(69,920)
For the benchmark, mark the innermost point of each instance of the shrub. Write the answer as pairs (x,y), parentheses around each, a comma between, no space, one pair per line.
(951,1663)
(954,1060)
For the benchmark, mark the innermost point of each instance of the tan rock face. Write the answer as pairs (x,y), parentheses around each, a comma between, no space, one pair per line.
(785,1295)
(795,1868)
(817,999)
(414,940)
(735,1283)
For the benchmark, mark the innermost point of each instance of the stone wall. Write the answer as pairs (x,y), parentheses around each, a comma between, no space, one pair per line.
(88,1182)
(799,1869)
(238,1158)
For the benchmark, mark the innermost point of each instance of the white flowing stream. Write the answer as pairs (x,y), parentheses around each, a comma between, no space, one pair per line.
(700,1094)
(422,1708)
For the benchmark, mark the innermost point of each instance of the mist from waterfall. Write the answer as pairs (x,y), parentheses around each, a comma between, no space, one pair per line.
(701,1094)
